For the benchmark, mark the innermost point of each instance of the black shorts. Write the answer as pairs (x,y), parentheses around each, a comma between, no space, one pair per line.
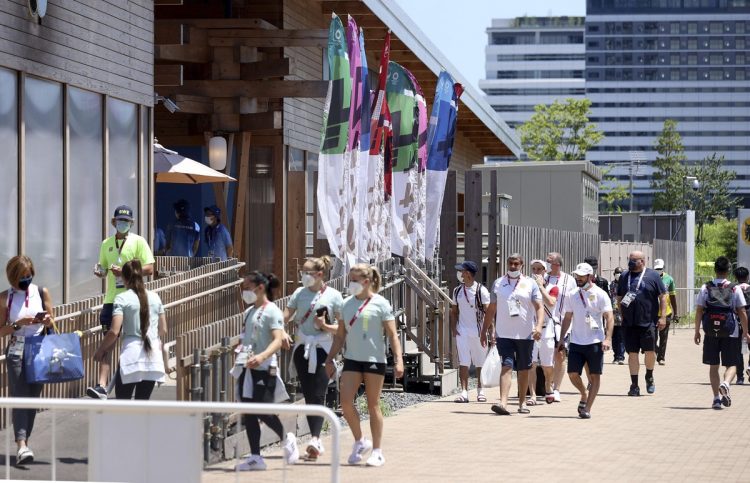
(364,367)
(516,353)
(105,317)
(580,355)
(639,338)
(728,349)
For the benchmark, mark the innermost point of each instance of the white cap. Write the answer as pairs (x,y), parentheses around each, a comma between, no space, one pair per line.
(540,262)
(658,264)
(583,269)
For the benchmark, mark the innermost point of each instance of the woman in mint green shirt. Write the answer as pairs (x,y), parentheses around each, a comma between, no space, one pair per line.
(367,319)
(315,312)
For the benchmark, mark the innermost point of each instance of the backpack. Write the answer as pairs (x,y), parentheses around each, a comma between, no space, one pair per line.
(718,315)
(479,307)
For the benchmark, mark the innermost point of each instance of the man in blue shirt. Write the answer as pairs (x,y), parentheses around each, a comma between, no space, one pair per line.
(216,236)
(642,298)
(184,234)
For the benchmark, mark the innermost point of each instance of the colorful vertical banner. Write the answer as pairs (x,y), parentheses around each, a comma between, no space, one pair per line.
(332,201)
(418,208)
(440,137)
(363,208)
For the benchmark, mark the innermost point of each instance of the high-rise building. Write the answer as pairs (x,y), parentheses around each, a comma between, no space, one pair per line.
(652,60)
(533,60)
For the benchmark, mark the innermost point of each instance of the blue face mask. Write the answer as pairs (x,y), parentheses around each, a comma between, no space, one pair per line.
(632,265)
(122,226)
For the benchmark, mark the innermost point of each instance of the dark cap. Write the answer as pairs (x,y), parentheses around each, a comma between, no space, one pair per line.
(181,206)
(468,266)
(213,209)
(591,260)
(618,270)
(123,212)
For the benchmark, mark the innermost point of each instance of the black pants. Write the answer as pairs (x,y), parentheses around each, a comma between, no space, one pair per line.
(264,387)
(142,389)
(661,342)
(314,386)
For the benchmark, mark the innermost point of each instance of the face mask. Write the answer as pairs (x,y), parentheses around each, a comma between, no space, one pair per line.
(355,288)
(209,220)
(122,226)
(307,280)
(632,265)
(514,273)
(583,284)
(460,276)
(617,276)
(249,297)
(24,283)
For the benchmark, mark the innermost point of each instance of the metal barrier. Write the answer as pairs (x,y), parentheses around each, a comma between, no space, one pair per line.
(164,407)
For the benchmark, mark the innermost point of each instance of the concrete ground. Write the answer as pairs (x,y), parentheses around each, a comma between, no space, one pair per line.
(672,435)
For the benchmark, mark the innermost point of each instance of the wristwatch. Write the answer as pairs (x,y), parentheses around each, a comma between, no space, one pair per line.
(15,326)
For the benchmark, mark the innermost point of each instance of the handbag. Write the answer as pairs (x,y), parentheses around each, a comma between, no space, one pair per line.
(52,358)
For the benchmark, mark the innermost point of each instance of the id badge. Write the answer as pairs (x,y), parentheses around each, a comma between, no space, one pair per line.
(119,282)
(514,307)
(627,299)
(243,355)
(16,346)
(592,323)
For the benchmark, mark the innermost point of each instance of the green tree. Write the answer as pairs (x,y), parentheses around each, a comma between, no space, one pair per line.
(560,132)
(714,198)
(669,175)
(613,192)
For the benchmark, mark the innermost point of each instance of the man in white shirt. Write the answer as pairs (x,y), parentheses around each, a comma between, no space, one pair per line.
(565,284)
(719,306)
(517,309)
(587,310)
(470,301)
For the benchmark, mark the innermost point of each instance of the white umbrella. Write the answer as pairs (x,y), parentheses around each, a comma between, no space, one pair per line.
(171,167)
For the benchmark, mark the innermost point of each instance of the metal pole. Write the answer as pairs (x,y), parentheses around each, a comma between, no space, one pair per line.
(631,183)
(195,377)
(205,372)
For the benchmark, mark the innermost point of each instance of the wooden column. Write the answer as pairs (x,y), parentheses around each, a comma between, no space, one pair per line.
(241,196)
(320,245)
(492,231)
(473,216)
(448,230)
(296,230)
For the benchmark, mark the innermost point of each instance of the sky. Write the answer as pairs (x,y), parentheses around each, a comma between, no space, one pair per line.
(458,27)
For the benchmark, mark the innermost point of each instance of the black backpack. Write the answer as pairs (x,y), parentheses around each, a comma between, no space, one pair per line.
(718,315)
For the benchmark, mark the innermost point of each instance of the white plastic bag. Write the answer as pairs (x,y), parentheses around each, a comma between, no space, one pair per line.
(491,369)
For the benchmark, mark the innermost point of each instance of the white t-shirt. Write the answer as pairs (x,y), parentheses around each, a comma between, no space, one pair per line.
(594,302)
(566,285)
(466,298)
(738,301)
(526,291)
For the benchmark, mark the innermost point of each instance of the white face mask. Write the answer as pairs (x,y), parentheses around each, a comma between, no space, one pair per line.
(249,297)
(355,288)
(307,280)
(460,276)
(209,220)
(514,274)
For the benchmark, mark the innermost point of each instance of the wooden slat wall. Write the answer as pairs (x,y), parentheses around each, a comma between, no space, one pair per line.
(465,155)
(303,117)
(102,46)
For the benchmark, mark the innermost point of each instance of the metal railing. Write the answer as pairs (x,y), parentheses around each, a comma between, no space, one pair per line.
(164,407)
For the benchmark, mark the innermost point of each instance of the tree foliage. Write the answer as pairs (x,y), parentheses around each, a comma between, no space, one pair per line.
(613,192)
(714,198)
(560,131)
(669,175)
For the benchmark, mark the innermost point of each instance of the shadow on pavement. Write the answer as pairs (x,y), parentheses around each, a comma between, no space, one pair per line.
(688,408)
(73,461)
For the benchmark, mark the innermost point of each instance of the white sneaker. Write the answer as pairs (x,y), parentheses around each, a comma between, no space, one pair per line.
(291,451)
(252,463)
(557,395)
(376,458)
(24,456)
(314,449)
(359,449)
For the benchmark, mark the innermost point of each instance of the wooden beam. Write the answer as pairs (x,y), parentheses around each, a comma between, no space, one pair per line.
(222,23)
(261,121)
(277,42)
(168,33)
(167,75)
(271,34)
(194,104)
(241,88)
(267,68)
(241,193)
(342,8)
(198,54)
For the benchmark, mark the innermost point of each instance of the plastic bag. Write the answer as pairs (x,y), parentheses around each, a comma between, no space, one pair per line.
(491,369)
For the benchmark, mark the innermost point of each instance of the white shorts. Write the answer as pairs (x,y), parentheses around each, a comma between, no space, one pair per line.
(470,350)
(544,350)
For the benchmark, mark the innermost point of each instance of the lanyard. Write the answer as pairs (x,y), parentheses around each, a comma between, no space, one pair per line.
(258,316)
(466,295)
(121,245)
(640,279)
(514,286)
(361,308)
(10,302)
(583,300)
(312,305)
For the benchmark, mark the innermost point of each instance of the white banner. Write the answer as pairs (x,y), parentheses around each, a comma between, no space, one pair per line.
(331,197)
(403,222)
(743,238)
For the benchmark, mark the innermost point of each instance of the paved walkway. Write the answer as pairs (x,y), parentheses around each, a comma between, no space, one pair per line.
(671,435)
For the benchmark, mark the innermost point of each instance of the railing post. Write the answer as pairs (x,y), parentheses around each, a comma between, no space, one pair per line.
(195,377)
(205,374)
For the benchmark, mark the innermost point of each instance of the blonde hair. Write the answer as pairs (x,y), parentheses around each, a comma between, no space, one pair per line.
(320,264)
(369,272)
(17,267)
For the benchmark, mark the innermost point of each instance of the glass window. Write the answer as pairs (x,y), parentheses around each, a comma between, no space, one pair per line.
(716,59)
(716,44)
(739,43)
(739,27)
(674,28)
(692,59)
(674,59)
(296,159)
(122,122)
(674,75)
(716,75)
(43,182)
(739,74)
(692,44)
(674,44)
(85,220)
(9,162)
(692,75)
(715,27)
(692,28)
(739,59)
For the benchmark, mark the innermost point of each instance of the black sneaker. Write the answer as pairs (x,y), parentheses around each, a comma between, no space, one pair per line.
(634,391)
(96,392)
(584,415)
(650,386)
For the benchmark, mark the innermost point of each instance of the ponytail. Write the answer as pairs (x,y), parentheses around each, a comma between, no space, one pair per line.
(132,275)
(371,273)
(321,264)
(268,280)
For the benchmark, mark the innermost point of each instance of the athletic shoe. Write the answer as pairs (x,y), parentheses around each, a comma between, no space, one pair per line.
(621,361)
(747,372)
(584,415)
(314,449)
(724,391)
(376,458)
(24,456)
(359,449)
(549,398)
(650,386)
(717,404)
(661,363)
(581,407)
(291,451)
(252,463)
(740,381)
(96,392)
(556,395)
(634,391)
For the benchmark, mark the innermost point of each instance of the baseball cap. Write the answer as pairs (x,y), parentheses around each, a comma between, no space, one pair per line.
(658,264)
(583,269)
(469,266)
(618,270)
(123,212)
(213,209)
(592,260)
(181,206)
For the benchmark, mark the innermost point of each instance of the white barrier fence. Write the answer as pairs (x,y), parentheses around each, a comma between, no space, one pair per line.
(173,435)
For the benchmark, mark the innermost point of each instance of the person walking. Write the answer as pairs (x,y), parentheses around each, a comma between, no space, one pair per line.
(183,236)
(368,317)
(588,313)
(642,298)
(256,367)
(618,338)
(597,279)
(470,301)
(663,334)
(138,317)
(547,344)
(518,313)
(315,312)
(216,235)
(565,284)
(742,275)
(25,310)
(718,308)
(115,251)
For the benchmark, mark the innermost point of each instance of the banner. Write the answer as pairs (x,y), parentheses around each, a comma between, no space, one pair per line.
(418,208)
(440,137)
(743,238)
(332,207)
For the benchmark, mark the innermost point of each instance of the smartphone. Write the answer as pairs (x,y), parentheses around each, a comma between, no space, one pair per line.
(41,315)
(323,312)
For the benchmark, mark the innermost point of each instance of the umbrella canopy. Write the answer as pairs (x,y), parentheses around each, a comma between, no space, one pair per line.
(171,167)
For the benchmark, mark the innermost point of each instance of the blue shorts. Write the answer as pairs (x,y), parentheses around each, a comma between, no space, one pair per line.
(105,317)
(580,355)
(516,352)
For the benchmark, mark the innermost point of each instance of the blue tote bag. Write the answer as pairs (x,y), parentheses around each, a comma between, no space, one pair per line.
(51,358)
